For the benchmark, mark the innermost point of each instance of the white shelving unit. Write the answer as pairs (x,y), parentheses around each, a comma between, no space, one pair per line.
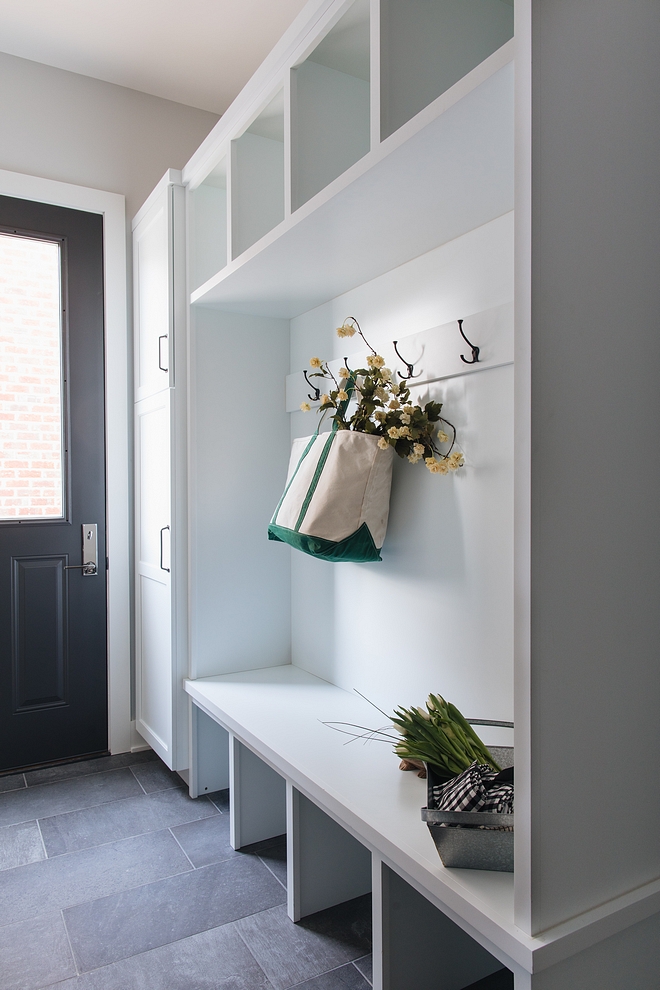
(351,207)
(368,169)
(369,219)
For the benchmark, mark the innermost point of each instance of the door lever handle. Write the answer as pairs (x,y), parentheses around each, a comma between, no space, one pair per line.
(87,569)
(89,551)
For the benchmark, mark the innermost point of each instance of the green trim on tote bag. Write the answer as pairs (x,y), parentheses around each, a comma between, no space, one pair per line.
(359,547)
(315,480)
(342,407)
(302,458)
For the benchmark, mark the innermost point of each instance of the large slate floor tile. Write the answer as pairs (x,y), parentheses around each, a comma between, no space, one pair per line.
(205,842)
(14,782)
(156,777)
(40,888)
(213,960)
(20,844)
(290,954)
(365,965)
(34,954)
(66,795)
(272,854)
(140,919)
(82,768)
(120,819)
(220,800)
(344,978)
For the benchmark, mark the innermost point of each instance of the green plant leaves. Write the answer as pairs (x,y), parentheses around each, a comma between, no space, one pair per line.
(440,735)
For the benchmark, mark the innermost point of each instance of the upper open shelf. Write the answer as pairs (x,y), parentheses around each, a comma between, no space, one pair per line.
(208,224)
(427,47)
(446,171)
(330,106)
(257,177)
(390,133)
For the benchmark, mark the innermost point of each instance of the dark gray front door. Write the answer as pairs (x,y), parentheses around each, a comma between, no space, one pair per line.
(53,666)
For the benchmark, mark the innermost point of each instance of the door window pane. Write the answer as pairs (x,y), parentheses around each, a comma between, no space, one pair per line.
(31,418)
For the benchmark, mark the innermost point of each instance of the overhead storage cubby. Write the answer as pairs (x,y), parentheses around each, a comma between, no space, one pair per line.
(257,177)
(208,218)
(330,106)
(426,47)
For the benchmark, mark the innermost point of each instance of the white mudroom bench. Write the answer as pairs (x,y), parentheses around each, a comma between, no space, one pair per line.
(353,825)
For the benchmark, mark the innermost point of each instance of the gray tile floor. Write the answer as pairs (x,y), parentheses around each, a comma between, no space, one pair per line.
(111,878)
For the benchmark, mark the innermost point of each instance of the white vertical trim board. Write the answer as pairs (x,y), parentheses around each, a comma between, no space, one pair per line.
(523,459)
(112,208)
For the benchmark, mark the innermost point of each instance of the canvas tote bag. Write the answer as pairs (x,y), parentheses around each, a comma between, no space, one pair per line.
(337,496)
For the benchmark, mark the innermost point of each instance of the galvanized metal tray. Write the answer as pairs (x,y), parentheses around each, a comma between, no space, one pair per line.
(471,847)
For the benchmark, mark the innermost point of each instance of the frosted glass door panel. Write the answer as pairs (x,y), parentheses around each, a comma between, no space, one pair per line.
(257,177)
(31,392)
(208,219)
(427,46)
(330,106)
(152,311)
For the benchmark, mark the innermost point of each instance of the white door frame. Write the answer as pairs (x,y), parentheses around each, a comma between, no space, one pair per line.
(112,207)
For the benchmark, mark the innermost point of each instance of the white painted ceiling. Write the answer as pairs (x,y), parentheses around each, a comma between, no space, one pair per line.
(198,52)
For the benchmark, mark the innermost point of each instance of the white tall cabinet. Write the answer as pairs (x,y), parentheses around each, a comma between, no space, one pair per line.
(160,471)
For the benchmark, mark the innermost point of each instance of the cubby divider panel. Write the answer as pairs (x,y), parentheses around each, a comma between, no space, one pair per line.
(428,45)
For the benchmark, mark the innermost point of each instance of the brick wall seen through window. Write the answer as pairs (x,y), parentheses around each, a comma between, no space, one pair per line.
(30,378)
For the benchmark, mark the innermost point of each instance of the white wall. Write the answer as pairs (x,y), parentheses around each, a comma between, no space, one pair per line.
(239,452)
(437,613)
(60,125)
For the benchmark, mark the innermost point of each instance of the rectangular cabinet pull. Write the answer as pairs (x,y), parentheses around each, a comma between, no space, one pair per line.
(161,550)
(160,352)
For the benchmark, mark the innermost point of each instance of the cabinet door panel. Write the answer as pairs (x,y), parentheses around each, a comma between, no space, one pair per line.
(154,625)
(153,317)
(155,665)
(152,422)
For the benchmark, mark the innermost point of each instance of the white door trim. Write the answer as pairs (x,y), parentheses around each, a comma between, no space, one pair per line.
(112,207)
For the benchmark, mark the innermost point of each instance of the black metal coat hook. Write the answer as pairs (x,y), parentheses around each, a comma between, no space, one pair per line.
(409,367)
(317,391)
(473,348)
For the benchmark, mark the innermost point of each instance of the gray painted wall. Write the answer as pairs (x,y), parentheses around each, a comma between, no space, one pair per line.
(595,524)
(65,126)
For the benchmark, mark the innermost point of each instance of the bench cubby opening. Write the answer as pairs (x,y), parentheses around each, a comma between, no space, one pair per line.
(421,946)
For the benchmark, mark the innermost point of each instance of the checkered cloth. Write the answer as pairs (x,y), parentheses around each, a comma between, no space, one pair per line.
(479,788)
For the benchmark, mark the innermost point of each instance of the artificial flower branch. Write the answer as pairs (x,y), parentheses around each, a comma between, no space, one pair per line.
(384,409)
